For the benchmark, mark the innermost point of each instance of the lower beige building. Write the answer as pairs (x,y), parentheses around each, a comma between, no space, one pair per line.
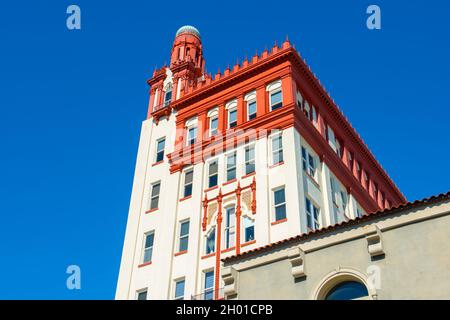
(401,253)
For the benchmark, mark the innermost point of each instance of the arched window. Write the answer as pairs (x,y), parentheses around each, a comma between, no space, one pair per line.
(347,290)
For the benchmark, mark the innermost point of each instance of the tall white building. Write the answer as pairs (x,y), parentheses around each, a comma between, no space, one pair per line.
(235,161)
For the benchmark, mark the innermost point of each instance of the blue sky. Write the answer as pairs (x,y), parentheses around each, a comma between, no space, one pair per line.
(72,103)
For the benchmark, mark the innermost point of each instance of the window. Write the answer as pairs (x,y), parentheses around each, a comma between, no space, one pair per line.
(213,174)
(148,247)
(312,215)
(184,236)
(251,110)
(232,118)
(249,229)
(213,125)
(179,289)
(277,149)
(309,164)
(141,295)
(208,287)
(160,149)
(230,227)
(279,204)
(168,97)
(188,176)
(211,241)
(231,166)
(348,290)
(275,100)
(192,135)
(249,159)
(154,197)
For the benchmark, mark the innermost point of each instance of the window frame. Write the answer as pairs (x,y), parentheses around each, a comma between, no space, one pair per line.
(152,196)
(176,282)
(230,229)
(181,236)
(207,237)
(186,184)
(232,168)
(313,215)
(279,150)
(216,130)
(249,161)
(255,114)
(216,174)
(141,291)
(208,290)
(307,157)
(162,139)
(150,248)
(275,205)
(278,104)
(247,218)
(229,124)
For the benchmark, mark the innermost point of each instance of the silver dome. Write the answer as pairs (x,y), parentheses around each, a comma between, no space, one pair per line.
(188,29)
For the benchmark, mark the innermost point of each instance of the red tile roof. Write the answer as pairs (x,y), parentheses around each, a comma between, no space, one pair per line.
(370,216)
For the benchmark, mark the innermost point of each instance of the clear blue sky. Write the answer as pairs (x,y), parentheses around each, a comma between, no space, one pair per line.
(72,103)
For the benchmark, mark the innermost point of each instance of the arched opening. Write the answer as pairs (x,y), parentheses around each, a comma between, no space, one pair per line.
(347,290)
(344,284)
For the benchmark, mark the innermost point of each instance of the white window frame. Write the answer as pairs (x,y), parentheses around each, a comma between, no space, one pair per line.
(274,88)
(244,227)
(181,237)
(229,118)
(185,184)
(143,290)
(311,218)
(229,229)
(274,205)
(273,151)
(246,162)
(154,196)
(175,282)
(159,151)
(233,167)
(311,171)
(188,140)
(208,289)
(207,235)
(144,248)
(209,172)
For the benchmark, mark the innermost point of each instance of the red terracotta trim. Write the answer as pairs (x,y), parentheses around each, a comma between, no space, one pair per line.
(209,255)
(144,264)
(156,163)
(212,188)
(228,250)
(151,210)
(180,253)
(249,175)
(185,198)
(229,182)
(276,165)
(248,243)
(279,221)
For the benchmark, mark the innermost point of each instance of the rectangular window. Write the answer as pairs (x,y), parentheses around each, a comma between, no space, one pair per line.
(231,167)
(192,135)
(312,215)
(213,126)
(179,289)
(230,227)
(188,177)
(211,241)
(232,118)
(154,196)
(213,174)
(167,98)
(249,159)
(142,295)
(251,110)
(160,149)
(184,236)
(275,100)
(309,164)
(148,247)
(277,149)
(208,287)
(279,200)
(249,229)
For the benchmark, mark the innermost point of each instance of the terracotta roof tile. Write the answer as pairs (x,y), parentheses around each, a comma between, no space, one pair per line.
(377,214)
